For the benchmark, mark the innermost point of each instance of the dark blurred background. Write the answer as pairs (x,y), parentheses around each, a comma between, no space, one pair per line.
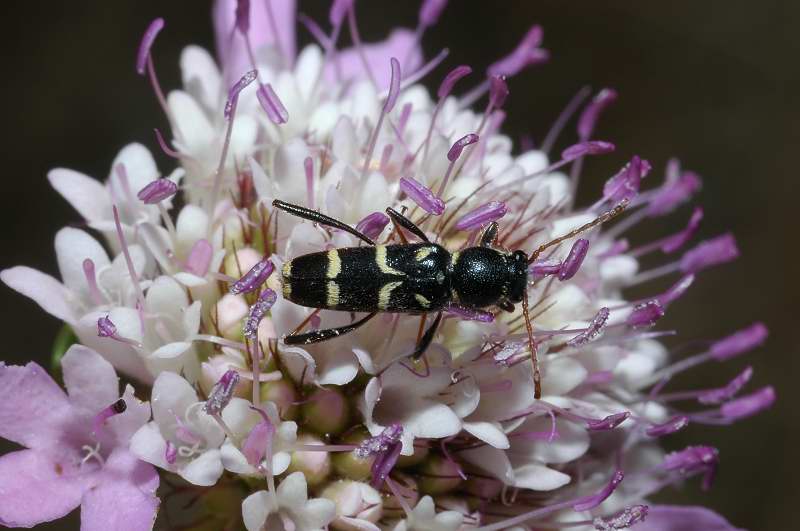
(713,82)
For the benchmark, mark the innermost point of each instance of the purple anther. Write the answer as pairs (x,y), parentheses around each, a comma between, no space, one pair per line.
(170,453)
(543,268)
(243,16)
(451,79)
(221,393)
(253,279)
(674,424)
(694,459)
(676,241)
(373,224)
(257,312)
(158,190)
(491,211)
(588,118)
(574,259)
(646,314)
(709,253)
(723,394)
(498,91)
(116,408)
(379,443)
(676,291)
(422,195)
(430,11)
(105,327)
(591,147)
(147,43)
(625,519)
(394,86)
(625,184)
(236,89)
(608,423)
(739,342)
(459,145)
(749,405)
(258,443)
(590,502)
(470,314)
(593,331)
(386,448)
(673,193)
(526,53)
(272,104)
(339,9)
(199,258)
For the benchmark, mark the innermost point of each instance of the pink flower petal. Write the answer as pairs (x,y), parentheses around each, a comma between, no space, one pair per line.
(685,518)
(125,498)
(45,291)
(33,409)
(401,43)
(34,489)
(90,380)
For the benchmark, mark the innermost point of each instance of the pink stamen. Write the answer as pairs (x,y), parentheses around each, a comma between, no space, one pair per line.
(164,146)
(387,107)
(116,408)
(129,262)
(308,164)
(91,281)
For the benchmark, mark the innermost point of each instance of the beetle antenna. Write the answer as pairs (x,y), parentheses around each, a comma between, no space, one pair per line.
(537,376)
(599,220)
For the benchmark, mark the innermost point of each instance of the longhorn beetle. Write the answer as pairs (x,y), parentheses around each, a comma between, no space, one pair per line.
(411,278)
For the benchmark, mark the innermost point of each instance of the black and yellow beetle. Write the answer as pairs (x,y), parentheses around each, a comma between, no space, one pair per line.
(411,278)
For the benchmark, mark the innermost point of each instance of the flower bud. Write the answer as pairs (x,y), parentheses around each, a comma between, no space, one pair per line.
(283,394)
(326,411)
(439,475)
(315,466)
(353,500)
(228,313)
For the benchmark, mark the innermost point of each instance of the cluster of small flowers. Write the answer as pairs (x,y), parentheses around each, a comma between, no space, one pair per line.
(245,426)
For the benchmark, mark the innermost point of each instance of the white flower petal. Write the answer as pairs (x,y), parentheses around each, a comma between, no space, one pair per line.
(204,470)
(44,290)
(87,195)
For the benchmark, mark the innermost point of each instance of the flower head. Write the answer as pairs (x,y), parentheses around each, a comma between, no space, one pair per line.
(524,374)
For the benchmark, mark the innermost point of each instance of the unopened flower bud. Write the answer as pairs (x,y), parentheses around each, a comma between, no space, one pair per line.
(326,411)
(284,395)
(228,314)
(439,475)
(316,466)
(354,500)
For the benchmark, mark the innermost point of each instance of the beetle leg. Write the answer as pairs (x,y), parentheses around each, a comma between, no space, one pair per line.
(399,219)
(489,236)
(322,335)
(427,338)
(322,219)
